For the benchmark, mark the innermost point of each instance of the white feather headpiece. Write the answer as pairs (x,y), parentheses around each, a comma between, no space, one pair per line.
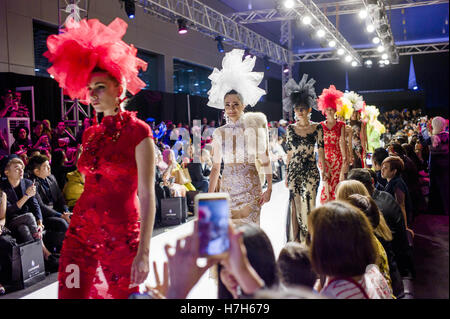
(235,75)
(355,100)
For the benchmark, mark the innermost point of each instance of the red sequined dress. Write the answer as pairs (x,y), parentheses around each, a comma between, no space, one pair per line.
(104,229)
(333,159)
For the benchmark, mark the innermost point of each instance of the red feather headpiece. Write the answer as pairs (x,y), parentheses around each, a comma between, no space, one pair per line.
(86,45)
(330,98)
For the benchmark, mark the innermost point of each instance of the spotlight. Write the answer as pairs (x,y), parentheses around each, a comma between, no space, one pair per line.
(130,8)
(219,40)
(348,58)
(182,29)
(380,48)
(354,63)
(386,62)
(381,63)
(306,20)
(376,40)
(320,33)
(285,68)
(332,44)
(384,56)
(340,51)
(370,28)
(415,88)
(368,63)
(362,14)
(289,4)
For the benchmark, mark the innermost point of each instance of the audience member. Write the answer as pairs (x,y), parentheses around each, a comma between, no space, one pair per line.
(394,219)
(295,266)
(59,168)
(377,159)
(51,201)
(391,169)
(7,242)
(347,258)
(21,140)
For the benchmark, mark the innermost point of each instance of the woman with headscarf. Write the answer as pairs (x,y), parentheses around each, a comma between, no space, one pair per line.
(439,148)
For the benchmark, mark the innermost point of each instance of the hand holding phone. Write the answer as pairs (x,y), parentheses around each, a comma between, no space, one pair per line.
(213,211)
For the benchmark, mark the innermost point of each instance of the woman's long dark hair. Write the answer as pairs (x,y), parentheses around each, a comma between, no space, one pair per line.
(260,255)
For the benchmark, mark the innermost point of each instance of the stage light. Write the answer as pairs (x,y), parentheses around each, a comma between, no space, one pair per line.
(376,40)
(362,14)
(266,62)
(332,44)
(219,40)
(415,88)
(306,20)
(384,56)
(386,62)
(368,63)
(354,63)
(182,29)
(348,58)
(380,48)
(320,33)
(285,68)
(289,4)
(130,8)
(370,28)
(340,51)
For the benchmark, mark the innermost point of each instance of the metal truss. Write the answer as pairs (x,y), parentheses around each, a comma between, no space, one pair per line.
(329,9)
(319,20)
(213,23)
(373,53)
(71,109)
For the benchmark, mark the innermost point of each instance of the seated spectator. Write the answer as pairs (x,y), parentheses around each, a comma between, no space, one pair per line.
(199,180)
(73,188)
(261,257)
(347,261)
(377,159)
(37,129)
(169,158)
(23,214)
(7,242)
(344,191)
(21,140)
(59,168)
(55,212)
(47,129)
(438,143)
(391,169)
(3,146)
(394,219)
(87,122)
(61,132)
(410,175)
(295,266)
(384,237)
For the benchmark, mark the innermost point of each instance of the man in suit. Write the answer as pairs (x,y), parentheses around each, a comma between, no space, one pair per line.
(55,212)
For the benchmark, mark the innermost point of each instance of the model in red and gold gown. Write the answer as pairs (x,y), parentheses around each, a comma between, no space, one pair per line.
(333,158)
(104,230)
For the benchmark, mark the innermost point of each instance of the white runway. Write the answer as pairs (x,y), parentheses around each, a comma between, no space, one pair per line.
(273,222)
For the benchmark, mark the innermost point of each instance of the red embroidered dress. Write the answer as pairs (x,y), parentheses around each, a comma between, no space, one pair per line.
(104,230)
(333,159)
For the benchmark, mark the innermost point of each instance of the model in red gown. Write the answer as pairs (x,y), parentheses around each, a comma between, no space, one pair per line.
(333,158)
(104,230)
(92,64)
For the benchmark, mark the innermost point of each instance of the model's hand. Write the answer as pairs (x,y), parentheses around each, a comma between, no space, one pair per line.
(265,197)
(139,269)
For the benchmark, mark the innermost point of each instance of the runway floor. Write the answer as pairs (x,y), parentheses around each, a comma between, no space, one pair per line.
(273,222)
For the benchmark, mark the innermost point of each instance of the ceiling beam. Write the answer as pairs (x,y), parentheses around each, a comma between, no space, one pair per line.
(329,9)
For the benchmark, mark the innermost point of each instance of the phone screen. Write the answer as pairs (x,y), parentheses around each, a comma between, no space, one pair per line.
(213,215)
(369,159)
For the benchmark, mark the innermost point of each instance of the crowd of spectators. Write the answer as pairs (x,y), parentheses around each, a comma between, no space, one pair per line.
(376,206)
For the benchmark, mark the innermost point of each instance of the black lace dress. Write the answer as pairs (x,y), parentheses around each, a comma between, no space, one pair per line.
(303,179)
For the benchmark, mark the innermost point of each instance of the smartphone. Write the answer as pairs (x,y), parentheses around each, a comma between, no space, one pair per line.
(369,159)
(213,211)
